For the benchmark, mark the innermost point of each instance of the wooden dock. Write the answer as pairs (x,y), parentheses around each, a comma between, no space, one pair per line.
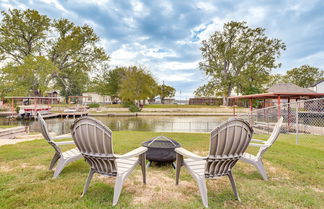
(66,115)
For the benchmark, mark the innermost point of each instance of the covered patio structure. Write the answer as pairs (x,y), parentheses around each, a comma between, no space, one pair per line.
(278,92)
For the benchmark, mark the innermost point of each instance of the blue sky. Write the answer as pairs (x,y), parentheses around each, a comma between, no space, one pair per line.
(165,35)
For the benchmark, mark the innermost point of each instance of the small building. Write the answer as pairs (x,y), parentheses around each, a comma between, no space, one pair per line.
(92,97)
(206,101)
(55,93)
(318,87)
(168,101)
(157,100)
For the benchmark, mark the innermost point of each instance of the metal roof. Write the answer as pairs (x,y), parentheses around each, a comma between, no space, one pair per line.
(289,88)
(284,90)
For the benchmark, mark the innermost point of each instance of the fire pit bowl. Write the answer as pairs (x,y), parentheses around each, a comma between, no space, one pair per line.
(161,149)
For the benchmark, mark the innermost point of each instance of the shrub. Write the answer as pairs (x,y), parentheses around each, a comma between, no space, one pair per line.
(93,105)
(134,108)
(127,103)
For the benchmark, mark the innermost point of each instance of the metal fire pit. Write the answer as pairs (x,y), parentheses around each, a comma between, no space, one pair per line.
(161,150)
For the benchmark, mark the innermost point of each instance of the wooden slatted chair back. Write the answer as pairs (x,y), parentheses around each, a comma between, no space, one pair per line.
(45,133)
(273,137)
(227,144)
(94,140)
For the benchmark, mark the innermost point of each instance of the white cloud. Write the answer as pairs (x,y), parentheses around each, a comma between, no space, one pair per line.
(206,6)
(184,77)
(12,4)
(165,6)
(315,59)
(56,3)
(139,9)
(172,66)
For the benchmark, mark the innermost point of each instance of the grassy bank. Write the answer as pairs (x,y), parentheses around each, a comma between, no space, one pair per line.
(8,126)
(296,178)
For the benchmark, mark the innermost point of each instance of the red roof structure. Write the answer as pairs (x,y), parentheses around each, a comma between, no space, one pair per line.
(281,91)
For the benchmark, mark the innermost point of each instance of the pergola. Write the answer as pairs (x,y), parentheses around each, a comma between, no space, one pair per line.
(280,91)
(37,100)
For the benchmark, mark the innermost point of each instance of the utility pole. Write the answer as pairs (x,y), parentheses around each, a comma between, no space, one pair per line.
(162,93)
(180,97)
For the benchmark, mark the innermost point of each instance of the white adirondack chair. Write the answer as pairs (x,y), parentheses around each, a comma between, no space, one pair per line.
(256,160)
(61,158)
(94,141)
(227,144)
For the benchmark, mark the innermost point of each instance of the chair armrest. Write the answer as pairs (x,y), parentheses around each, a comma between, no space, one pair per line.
(64,142)
(258,145)
(188,154)
(258,140)
(62,136)
(133,153)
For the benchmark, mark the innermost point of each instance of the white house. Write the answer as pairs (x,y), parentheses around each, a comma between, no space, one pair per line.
(318,87)
(92,97)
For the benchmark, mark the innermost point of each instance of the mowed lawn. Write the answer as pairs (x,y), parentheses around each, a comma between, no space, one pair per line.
(296,178)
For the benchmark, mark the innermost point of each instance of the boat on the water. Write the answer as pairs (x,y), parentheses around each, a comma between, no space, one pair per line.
(26,111)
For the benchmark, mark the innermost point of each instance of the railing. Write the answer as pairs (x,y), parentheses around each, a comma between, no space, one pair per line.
(303,118)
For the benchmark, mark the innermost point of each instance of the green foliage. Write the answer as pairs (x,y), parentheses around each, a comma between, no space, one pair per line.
(304,76)
(46,53)
(32,77)
(165,91)
(274,79)
(108,83)
(237,57)
(134,108)
(127,103)
(138,84)
(93,105)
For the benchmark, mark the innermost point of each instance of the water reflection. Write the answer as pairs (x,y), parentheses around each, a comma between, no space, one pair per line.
(140,123)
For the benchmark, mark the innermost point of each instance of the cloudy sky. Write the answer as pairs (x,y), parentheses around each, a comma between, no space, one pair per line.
(165,35)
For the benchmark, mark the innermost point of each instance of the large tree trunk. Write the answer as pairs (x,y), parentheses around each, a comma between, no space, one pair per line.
(226,95)
(225,100)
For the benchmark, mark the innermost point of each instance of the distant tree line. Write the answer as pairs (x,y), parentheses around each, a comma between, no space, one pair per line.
(132,84)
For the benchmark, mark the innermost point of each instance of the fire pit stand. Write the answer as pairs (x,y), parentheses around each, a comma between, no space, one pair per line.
(161,149)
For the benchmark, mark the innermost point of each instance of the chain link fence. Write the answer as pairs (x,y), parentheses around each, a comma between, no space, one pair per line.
(303,118)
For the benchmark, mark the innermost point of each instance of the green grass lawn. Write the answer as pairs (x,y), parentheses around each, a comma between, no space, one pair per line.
(296,178)
(8,126)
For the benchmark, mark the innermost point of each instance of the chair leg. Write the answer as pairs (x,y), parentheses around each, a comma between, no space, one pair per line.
(60,165)
(118,188)
(179,160)
(230,176)
(260,167)
(203,190)
(86,186)
(54,160)
(142,159)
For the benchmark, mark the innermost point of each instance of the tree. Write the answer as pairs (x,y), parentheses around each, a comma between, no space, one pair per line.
(304,76)
(136,85)
(238,57)
(165,91)
(31,77)
(71,49)
(109,82)
(274,79)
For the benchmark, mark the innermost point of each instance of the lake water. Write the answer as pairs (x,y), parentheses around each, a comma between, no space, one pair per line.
(139,123)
